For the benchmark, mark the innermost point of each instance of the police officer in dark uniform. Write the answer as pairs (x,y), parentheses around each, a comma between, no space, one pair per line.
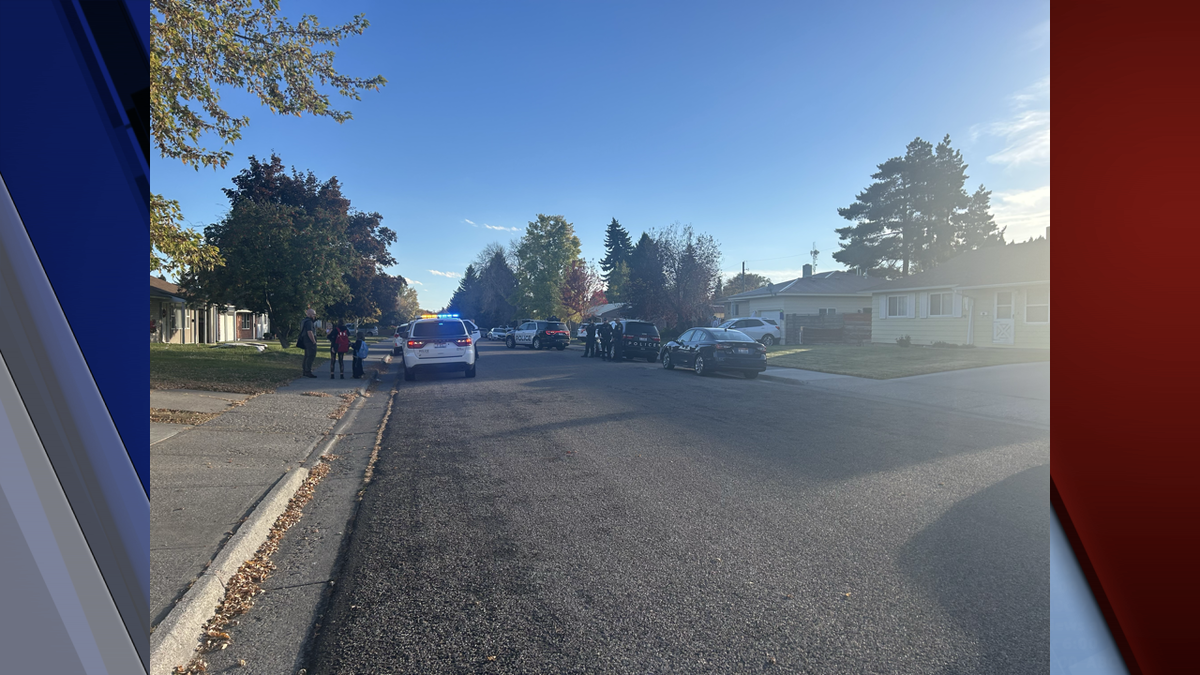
(605,333)
(589,339)
(617,341)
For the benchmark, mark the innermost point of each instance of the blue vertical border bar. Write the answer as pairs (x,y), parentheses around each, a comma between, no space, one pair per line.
(74,249)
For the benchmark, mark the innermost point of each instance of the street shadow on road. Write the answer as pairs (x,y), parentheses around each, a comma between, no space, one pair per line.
(987,563)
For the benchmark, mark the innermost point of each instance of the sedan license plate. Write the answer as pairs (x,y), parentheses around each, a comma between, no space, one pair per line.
(743,351)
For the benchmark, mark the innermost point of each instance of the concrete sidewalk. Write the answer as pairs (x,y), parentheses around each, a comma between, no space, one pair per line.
(208,482)
(1017,393)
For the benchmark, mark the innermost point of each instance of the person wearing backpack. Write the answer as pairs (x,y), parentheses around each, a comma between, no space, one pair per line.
(339,344)
(360,349)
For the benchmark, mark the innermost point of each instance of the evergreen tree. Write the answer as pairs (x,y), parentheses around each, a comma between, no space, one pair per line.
(617,249)
(916,214)
(496,285)
(644,291)
(465,301)
(618,278)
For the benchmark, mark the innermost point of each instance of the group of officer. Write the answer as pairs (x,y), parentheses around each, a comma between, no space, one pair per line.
(608,335)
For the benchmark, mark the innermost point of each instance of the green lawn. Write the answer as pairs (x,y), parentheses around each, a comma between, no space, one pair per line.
(883,362)
(233,369)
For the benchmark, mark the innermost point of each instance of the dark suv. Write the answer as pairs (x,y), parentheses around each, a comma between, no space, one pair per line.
(639,339)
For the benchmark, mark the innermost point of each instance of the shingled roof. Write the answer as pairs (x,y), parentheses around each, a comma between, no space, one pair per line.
(822,283)
(992,266)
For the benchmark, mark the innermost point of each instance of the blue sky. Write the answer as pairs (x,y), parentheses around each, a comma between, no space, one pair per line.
(753,122)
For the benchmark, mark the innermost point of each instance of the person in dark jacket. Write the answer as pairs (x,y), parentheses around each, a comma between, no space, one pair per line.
(617,340)
(605,332)
(357,365)
(589,339)
(339,344)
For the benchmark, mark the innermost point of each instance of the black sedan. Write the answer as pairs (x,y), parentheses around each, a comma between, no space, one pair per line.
(711,349)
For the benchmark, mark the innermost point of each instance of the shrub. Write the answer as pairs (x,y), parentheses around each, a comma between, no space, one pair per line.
(905,341)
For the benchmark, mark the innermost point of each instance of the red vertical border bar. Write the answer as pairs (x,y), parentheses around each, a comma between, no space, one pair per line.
(1124,464)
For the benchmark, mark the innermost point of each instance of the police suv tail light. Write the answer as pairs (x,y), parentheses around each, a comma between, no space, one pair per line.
(416,344)
(463,342)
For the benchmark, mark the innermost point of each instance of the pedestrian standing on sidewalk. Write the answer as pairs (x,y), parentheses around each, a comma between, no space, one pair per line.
(617,340)
(605,332)
(308,341)
(339,344)
(356,348)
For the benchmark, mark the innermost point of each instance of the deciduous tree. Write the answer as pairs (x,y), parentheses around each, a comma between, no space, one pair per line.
(543,258)
(198,47)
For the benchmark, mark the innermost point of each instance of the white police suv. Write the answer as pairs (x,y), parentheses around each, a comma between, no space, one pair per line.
(438,344)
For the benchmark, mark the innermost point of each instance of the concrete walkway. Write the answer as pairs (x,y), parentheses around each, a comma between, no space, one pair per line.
(206,480)
(1015,393)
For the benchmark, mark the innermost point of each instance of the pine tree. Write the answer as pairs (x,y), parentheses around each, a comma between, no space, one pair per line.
(644,291)
(617,247)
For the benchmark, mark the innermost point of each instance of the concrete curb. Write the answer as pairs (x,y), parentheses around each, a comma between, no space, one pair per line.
(776,378)
(175,639)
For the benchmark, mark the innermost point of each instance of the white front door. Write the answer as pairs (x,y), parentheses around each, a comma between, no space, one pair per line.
(1002,320)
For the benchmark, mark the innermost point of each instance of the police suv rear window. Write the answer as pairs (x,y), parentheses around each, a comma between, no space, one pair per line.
(640,328)
(554,325)
(438,329)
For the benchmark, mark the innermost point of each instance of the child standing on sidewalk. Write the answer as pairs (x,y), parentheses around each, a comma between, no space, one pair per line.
(357,365)
(339,344)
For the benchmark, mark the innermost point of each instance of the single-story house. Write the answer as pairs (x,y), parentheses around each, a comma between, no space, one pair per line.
(177,320)
(606,312)
(821,294)
(997,296)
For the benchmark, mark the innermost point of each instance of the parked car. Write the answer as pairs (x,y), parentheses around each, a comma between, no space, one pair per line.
(373,331)
(498,333)
(766,331)
(398,339)
(540,335)
(442,344)
(707,350)
(639,339)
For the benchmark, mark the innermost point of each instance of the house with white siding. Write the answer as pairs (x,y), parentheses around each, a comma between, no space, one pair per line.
(997,296)
(175,319)
(820,294)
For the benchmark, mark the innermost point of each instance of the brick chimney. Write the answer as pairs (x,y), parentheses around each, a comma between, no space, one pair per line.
(807,270)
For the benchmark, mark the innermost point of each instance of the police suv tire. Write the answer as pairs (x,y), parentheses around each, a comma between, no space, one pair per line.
(470,371)
(750,374)
(537,343)
(510,343)
(666,361)
(409,374)
(395,351)
(561,347)
(652,358)
(768,340)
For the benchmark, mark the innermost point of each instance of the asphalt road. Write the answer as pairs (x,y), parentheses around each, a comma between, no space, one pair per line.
(562,515)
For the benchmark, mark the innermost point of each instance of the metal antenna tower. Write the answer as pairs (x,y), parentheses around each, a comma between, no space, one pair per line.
(814,253)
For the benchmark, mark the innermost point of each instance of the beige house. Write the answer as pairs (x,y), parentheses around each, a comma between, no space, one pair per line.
(821,294)
(177,320)
(991,297)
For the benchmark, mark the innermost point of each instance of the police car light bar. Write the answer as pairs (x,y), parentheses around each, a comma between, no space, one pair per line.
(439,316)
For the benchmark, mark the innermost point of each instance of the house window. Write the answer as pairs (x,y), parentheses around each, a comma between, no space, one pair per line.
(941,304)
(898,306)
(1037,305)
(245,321)
(830,311)
(1004,305)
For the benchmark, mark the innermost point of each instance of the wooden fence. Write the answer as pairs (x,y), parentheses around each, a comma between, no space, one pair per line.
(816,329)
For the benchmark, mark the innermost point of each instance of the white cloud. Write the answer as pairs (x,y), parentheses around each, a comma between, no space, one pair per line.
(1027,132)
(469,223)
(502,229)
(1025,213)
(449,275)
(413,281)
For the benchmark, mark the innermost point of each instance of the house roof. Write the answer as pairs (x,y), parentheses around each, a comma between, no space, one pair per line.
(165,289)
(600,310)
(991,266)
(822,283)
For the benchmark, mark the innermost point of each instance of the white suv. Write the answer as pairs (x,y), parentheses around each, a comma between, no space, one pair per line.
(442,344)
(766,331)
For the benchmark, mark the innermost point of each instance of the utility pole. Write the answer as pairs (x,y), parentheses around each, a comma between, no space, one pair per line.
(814,253)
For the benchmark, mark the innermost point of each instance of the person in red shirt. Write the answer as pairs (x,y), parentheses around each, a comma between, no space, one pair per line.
(339,344)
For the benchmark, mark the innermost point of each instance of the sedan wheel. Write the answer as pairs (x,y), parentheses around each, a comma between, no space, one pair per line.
(699,367)
(768,340)
(666,361)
